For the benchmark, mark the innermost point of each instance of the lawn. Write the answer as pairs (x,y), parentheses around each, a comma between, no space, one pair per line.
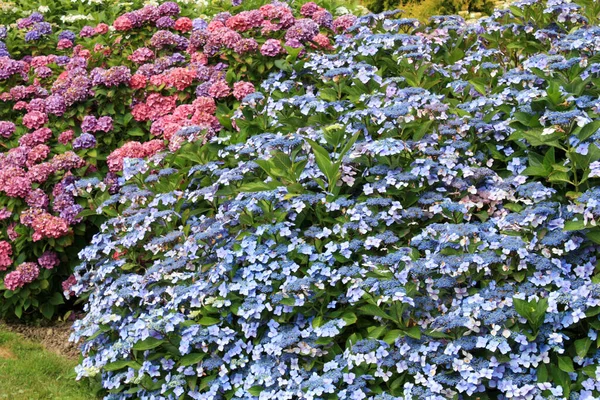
(29,372)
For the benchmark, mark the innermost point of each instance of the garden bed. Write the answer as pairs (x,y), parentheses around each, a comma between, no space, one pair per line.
(54,338)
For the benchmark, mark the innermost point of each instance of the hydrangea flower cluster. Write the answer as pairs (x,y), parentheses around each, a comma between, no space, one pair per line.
(411,217)
(76,102)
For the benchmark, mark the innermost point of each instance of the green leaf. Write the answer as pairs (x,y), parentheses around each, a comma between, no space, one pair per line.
(565,364)
(56,299)
(324,163)
(514,207)
(561,378)
(259,186)
(391,336)
(350,318)
(116,365)
(255,390)
(148,344)
(414,332)
(542,373)
(587,131)
(47,310)
(191,359)
(594,235)
(376,332)
(582,346)
(207,321)
(372,309)
(523,308)
(574,226)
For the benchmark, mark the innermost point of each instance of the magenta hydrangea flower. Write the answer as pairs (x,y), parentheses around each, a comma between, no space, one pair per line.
(303,30)
(7,128)
(5,255)
(219,89)
(165,22)
(89,123)
(48,260)
(56,105)
(104,124)
(13,281)
(37,199)
(169,8)
(271,48)
(24,274)
(35,119)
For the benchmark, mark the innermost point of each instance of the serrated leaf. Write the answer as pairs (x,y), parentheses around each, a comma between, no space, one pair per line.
(116,365)
(588,130)
(47,310)
(350,318)
(371,309)
(190,359)
(208,321)
(565,364)
(148,344)
(582,346)
(594,235)
(414,332)
(574,226)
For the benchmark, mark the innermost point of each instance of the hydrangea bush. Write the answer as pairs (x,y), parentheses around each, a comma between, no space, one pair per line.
(74,104)
(411,217)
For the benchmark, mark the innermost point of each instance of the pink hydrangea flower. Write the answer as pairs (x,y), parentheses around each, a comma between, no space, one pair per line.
(123,23)
(308,9)
(219,89)
(183,24)
(5,255)
(101,29)
(12,281)
(66,136)
(24,274)
(138,81)
(67,285)
(271,48)
(64,44)
(35,119)
(205,104)
(242,89)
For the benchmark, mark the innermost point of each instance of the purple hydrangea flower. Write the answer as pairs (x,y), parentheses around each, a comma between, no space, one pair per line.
(56,105)
(89,124)
(169,8)
(165,22)
(104,124)
(87,31)
(85,141)
(199,23)
(303,30)
(7,128)
(69,35)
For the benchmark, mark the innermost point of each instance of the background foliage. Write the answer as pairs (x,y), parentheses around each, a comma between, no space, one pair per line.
(74,103)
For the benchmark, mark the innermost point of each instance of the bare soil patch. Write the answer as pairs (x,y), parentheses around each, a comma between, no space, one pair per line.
(54,338)
(7,354)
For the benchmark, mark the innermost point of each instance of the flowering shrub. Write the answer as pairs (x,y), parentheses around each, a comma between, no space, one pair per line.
(414,216)
(75,104)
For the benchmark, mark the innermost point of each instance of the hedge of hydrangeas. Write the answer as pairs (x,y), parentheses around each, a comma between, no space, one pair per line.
(411,217)
(74,104)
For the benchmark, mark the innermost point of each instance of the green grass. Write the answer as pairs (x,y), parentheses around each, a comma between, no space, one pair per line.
(28,372)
